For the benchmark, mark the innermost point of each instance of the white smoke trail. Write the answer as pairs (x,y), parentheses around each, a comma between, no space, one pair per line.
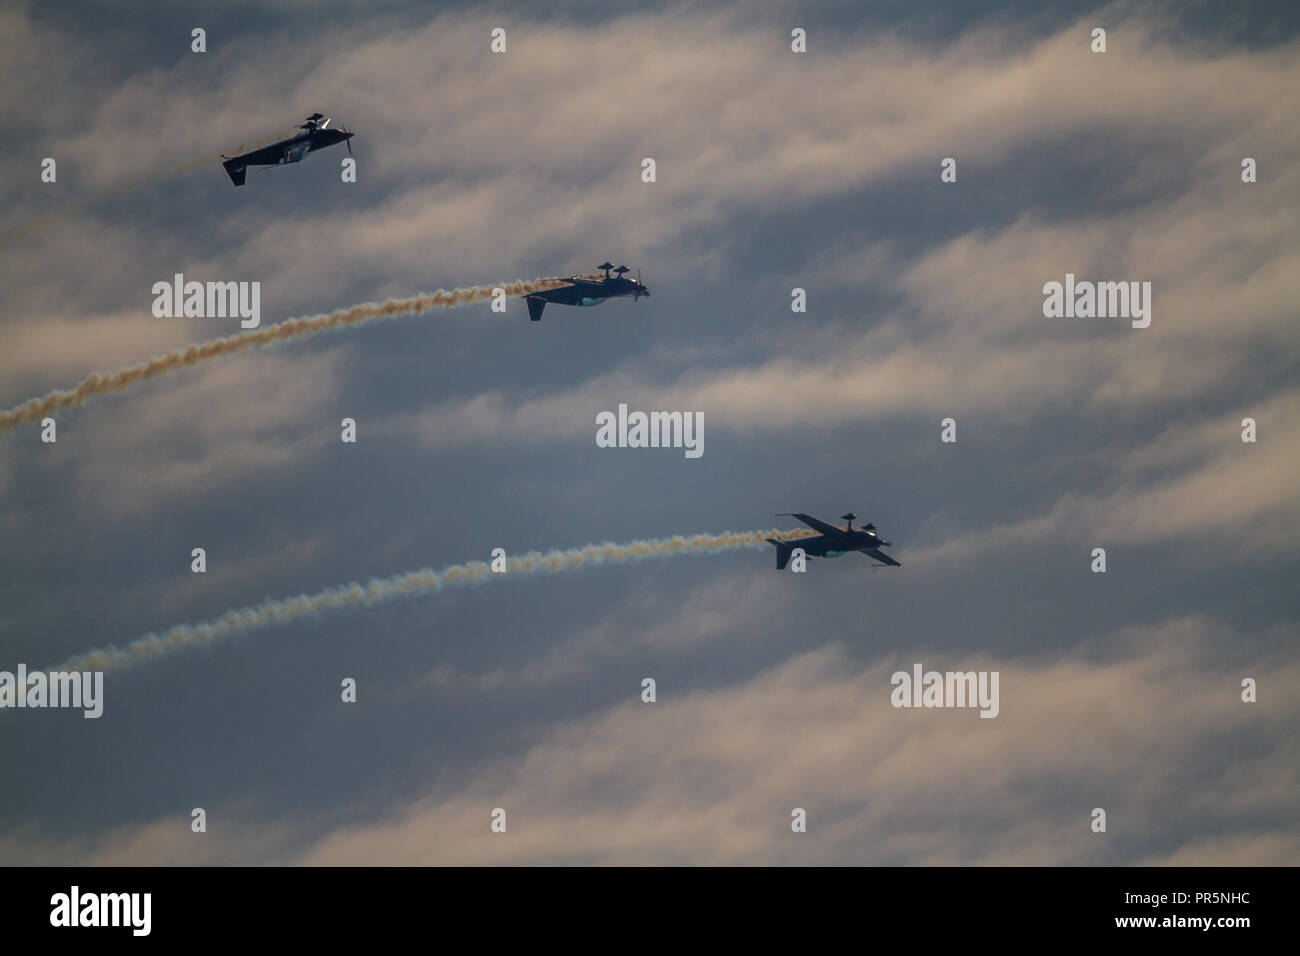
(409,584)
(103,383)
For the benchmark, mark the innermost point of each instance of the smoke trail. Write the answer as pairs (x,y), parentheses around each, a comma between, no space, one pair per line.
(408,584)
(103,383)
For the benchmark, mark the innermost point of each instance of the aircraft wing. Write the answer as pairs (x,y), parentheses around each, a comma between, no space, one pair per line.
(882,557)
(812,522)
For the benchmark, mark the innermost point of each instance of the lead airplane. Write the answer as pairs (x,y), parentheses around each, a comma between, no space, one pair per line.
(834,542)
(588,291)
(315,135)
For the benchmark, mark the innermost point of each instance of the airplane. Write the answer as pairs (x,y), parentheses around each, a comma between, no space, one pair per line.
(834,542)
(588,291)
(315,135)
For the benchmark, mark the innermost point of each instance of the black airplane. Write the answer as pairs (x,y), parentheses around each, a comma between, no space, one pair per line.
(588,291)
(315,135)
(834,542)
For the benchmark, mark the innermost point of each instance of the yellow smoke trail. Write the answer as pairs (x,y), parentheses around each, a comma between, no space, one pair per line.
(103,383)
(409,584)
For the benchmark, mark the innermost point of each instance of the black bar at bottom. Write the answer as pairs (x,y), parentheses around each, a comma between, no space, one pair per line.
(650,907)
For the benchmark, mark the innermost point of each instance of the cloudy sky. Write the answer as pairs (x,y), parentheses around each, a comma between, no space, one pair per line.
(775,170)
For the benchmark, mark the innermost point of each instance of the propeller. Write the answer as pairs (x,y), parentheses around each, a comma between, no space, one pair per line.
(347,135)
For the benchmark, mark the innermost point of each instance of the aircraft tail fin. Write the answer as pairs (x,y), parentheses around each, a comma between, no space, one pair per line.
(783,550)
(236,171)
(535,306)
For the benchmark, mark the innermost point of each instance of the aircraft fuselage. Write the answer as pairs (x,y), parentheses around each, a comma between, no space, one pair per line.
(291,150)
(593,292)
(584,292)
(832,542)
(836,546)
